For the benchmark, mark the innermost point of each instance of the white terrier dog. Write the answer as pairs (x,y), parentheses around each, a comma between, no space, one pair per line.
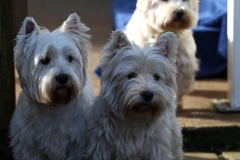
(154,17)
(134,115)
(57,92)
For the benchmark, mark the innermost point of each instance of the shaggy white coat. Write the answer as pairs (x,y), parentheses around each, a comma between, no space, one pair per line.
(124,126)
(50,119)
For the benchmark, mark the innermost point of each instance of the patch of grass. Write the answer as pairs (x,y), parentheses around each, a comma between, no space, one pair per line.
(235,145)
(213,106)
(186,142)
(222,158)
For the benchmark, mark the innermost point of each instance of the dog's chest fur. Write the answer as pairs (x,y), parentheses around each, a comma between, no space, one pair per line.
(127,140)
(139,144)
(51,131)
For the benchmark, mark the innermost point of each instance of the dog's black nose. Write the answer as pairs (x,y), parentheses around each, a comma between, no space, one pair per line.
(147,95)
(179,13)
(62,79)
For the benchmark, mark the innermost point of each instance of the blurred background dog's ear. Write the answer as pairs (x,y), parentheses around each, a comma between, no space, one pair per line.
(196,4)
(143,5)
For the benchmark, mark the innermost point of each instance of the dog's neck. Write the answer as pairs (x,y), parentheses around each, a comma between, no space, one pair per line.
(155,33)
(36,105)
(120,119)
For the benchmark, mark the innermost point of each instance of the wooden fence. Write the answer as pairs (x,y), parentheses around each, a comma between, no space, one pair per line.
(12,13)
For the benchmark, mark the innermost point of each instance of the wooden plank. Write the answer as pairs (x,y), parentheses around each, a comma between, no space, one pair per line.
(8,29)
(7,81)
(20,12)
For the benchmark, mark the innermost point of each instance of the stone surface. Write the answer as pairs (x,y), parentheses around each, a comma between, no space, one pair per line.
(198,108)
(231,155)
(200,156)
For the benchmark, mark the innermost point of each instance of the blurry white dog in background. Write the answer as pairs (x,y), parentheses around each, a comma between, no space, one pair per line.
(50,117)
(154,17)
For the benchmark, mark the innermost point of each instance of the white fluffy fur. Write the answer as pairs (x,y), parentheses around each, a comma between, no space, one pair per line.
(50,118)
(124,126)
(154,17)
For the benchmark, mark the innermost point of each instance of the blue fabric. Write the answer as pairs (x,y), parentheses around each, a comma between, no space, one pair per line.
(211,37)
(210,34)
(122,11)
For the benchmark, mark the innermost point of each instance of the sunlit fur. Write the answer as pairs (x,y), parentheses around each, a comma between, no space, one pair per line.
(50,117)
(124,126)
(154,17)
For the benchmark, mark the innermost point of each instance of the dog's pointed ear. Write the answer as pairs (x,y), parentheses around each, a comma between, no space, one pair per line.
(196,4)
(26,34)
(118,41)
(28,26)
(143,5)
(167,45)
(74,26)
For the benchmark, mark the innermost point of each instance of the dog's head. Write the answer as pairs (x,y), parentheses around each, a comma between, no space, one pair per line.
(52,66)
(139,83)
(171,15)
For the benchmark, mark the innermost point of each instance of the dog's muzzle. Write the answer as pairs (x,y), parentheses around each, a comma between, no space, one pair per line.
(63,91)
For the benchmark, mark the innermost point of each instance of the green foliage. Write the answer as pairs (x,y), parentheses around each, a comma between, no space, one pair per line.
(222,158)
(186,142)
(234,145)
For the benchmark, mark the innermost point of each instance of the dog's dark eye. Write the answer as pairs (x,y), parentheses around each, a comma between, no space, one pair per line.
(45,61)
(156,77)
(69,58)
(132,75)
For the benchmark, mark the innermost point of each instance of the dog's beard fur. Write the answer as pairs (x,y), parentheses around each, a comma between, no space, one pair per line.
(52,93)
(38,80)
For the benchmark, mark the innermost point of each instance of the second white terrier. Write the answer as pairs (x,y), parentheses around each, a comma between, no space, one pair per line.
(154,17)
(134,115)
(50,117)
